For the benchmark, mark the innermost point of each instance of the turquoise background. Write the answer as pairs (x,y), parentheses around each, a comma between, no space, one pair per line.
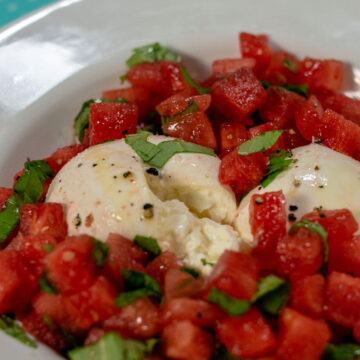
(10,10)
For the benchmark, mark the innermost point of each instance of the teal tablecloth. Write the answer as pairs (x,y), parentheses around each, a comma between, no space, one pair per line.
(10,10)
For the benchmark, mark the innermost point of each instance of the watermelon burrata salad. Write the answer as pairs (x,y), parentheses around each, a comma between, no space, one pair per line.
(194,220)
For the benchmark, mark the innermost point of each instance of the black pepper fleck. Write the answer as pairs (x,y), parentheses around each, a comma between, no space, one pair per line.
(321,186)
(199,315)
(148,211)
(259,188)
(293,207)
(316,168)
(80,164)
(127,174)
(296,183)
(322,215)
(147,206)
(152,171)
(292,217)
(115,177)
(125,132)
(112,164)
(77,221)
(95,164)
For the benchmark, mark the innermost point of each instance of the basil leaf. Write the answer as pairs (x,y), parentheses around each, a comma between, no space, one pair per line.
(9,326)
(229,304)
(158,155)
(341,352)
(193,272)
(259,143)
(205,262)
(278,162)
(113,346)
(298,89)
(314,228)
(291,65)
(46,285)
(48,247)
(272,294)
(192,107)
(265,84)
(137,285)
(100,252)
(149,244)
(154,129)
(192,83)
(151,53)
(28,189)
(81,122)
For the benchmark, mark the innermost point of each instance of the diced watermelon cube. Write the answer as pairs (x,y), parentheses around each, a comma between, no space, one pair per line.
(236,274)
(70,266)
(158,267)
(134,95)
(184,340)
(147,76)
(342,298)
(241,335)
(108,121)
(193,127)
(123,254)
(322,74)
(356,331)
(293,139)
(5,193)
(227,66)
(91,306)
(299,254)
(199,312)
(172,77)
(242,173)
(62,155)
(43,218)
(238,95)
(232,135)
(301,337)
(138,320)
(267,216)
(308,295)
(255,46)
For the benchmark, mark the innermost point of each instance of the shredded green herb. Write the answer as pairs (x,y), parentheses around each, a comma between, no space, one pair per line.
(192,83)
(149,244)
(260,142)
(100,252)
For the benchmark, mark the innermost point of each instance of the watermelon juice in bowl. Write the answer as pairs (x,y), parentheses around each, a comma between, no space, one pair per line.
(193,220)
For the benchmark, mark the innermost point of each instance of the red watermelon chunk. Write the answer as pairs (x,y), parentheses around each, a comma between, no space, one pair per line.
(183,340)
(108,121)
(236,274)
(138,320)
(342,298)
(199,312)
(242,173)
(70,266)
(238,95)
(322,74)
(246,336)
(308,295)
(193,127)
(43,218)
(227,66)
(91,306)
(232,135)
(62,155)
(267,215)
(301,337)
(5,193)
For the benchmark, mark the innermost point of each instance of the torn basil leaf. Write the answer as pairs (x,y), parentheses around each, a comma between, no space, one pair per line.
(149,244)
(205,262)
(137,285)
(9,326)
(314,228)
(28,189)
(100,252)
(341,352)
(259,143)
(298,89)
(191,107)
(192,83)
(193,272)
(272,294)
(46,285)
(113,346)
(151,53)
(279,161)
(228,303)
(158,155)
(290,64)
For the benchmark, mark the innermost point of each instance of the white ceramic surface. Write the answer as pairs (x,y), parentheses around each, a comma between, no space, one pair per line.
(54,59)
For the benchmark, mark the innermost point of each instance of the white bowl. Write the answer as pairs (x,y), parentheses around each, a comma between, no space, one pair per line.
(54,59)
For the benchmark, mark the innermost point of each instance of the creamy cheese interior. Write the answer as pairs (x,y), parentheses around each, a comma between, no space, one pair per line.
(318,177)
(109,189)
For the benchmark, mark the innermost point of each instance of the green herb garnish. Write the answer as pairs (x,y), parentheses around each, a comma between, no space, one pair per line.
(298,89)
(291,65)
(149,244)
(113,346)
(28,189)
(314,228)
(100,252)
(48,247)
(158,155)
(192,83)
(193,272)
(260,142)
(228,303)
(137,285)
(9,326)
(205,262)
(341,352)
(191,107)
(151,53)
(46,285)
(278,161)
